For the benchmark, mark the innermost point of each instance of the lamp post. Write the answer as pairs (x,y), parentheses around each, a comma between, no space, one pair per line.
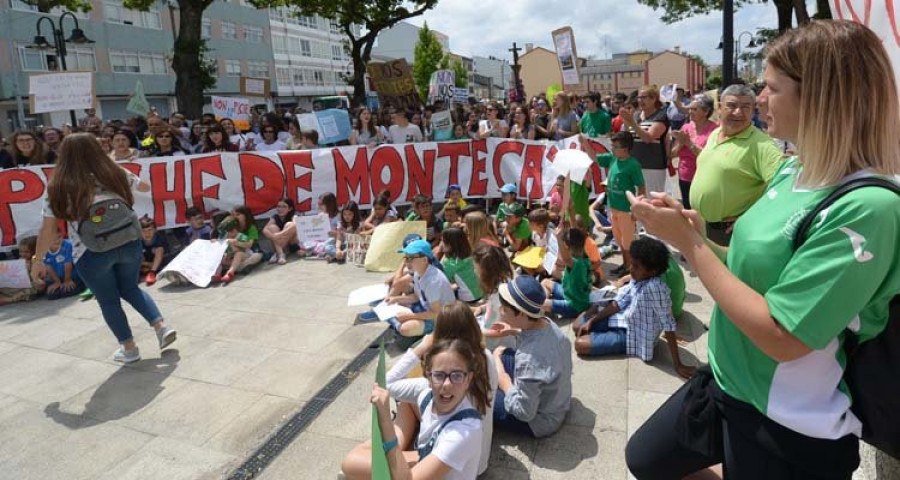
(516,69)
(59,42)
(737,53)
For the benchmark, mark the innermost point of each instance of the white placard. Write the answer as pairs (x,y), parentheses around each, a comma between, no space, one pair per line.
(13,274)
(572,163)
(312,228)
(235,108)
(55,92)
(198,262)
(564,41)
(386,311)
(367,295)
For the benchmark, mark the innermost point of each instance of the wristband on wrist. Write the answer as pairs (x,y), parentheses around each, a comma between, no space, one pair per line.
(389,445)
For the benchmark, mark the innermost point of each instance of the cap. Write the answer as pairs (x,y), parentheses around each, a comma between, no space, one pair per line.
(509,188)
(454,187)
(417,247)
(412,237)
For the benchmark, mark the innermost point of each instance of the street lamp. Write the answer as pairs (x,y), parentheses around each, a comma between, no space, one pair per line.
(737,49)
(59,41)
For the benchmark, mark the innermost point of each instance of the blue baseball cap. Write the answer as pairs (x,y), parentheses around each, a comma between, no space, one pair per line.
(417,247)
(509,188)
(412,237)
(453,187)
(524,293)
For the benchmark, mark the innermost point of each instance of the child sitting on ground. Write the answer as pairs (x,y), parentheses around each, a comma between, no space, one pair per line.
(454,196)
(572,296)
(27,247)
(382,212)
(518,229)
(535,379)
(327,205)
(423,210)
(349,224)
(459,267)
(508,199)
(554,200)
(493,268)
(542,238)
(241,235)
(625,175)
(62,279)
(674,279)
(431,291)
(197,228)
(451,215)
(155,250)
(632,322)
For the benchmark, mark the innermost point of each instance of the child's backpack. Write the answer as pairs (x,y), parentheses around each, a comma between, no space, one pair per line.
(110,223)
(873,367)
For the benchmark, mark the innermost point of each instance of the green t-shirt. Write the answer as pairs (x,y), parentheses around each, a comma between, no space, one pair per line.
(624,176)
(503,211)
(523,229)
(581,204)
(843,276)
(733,174)
(461,271)
(412,216)
(253,234)
(576,283)
(674,278)
(595,124)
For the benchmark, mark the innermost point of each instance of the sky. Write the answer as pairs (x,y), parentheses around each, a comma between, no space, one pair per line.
(602,27)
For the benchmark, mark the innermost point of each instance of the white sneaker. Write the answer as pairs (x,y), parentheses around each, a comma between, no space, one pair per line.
(274,259)
(166,335)
(127,356)
(282,259)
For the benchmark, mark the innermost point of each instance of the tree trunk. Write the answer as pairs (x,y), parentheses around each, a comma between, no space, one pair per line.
(785,14)
(823,10)
(801,12)
(359,73)
(186,61)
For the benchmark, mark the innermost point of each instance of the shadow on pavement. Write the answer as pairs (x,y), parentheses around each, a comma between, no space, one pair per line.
(122,394)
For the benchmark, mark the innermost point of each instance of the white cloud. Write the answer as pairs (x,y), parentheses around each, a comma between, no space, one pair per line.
(602,27)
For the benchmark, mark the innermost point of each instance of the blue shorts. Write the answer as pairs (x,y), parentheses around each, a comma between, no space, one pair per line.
(416,308)
(606,340)
(559,305)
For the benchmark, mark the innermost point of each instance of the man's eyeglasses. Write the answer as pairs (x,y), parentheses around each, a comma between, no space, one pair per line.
(268,131)
(438,377)
(734,107)
(410,258)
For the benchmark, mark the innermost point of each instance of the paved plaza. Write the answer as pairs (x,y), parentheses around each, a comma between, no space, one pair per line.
(249,357)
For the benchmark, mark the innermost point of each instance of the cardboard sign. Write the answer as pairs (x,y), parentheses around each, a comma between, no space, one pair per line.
(255,87)
(395,85)
(235,108)
(386,240)
(442,125)
(55,92)
(312,228)
(441,87)
(564,41)
(198,262)
(13,274)
(333,124)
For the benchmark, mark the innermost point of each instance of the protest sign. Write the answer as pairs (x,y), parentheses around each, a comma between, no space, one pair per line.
(442,125)
(312,228)
(54,92)
(14,274)
(394,83)
(441,87)
(138,103)
(668,92)
(220,181)
(198,262)
(333,124)
(564,41)
(255,87)
(235,108)
(573,164)
(461,95)
(383,255)
(881,16)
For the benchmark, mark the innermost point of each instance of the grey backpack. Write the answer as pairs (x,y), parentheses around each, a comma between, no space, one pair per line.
(110,223)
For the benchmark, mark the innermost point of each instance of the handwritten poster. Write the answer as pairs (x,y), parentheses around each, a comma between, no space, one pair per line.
(312,228)
(54,92)
(235,108)
(13,274)
(198,262)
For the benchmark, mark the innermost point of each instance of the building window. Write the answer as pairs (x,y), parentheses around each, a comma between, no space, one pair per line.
(253,34)
(115,12)
(206,28)
(318,77)
(229,31)
(304,21)
(337,52)
(232,68)
(276,15)
(305,48)
(138,62)
(298,77)
(77,59)
(258,69)
(279,44)
(283,75)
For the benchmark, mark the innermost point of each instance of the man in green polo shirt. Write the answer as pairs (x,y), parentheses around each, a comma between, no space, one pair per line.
(734,167)
(595,121)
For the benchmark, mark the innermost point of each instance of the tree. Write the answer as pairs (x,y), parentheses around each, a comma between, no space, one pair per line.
(677,10)
(427,58)
(373,16)
(192,72)
(460,74)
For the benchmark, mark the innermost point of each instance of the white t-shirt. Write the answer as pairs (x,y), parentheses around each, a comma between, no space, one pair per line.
(78,248)
(459,444)
(485,125)
(265,147)
(432,287)
(408,134)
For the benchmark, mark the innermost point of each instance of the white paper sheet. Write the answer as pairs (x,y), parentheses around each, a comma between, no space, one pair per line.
(572,163)
(198,262)
(368,294)
(13,274)
(385,311)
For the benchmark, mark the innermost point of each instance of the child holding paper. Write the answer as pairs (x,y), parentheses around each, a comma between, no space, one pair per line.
(572,296)
(543,240)
(328,206)
(625,175)
(431,291)
(197,228)
(350,223)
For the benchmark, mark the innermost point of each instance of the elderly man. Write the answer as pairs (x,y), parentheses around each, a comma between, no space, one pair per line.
(734,167)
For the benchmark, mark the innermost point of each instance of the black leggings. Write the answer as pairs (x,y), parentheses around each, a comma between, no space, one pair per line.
(749,445)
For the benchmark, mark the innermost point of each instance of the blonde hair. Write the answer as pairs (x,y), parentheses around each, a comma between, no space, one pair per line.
(565,104)
(652,91)
(849,112)
(478,227)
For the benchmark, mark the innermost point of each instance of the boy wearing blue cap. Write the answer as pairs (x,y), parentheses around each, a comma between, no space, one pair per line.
(431,291)
(508,197)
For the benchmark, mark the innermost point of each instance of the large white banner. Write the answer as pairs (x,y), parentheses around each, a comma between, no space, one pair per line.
(879,15)
(220,181)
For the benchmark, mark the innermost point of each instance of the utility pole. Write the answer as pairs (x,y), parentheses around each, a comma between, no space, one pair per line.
(728,43)
(516,68)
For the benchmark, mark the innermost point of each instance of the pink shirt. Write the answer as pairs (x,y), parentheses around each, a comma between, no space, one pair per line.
(687,161)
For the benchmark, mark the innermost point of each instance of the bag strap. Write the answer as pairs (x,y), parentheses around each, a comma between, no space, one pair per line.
(840,191)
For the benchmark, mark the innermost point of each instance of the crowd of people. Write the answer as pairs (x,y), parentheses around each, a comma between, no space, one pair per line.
(486,305)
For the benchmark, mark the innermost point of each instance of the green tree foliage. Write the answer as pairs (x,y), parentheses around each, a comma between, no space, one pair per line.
(373,16)
(427,58)
(460,74)
(677,10)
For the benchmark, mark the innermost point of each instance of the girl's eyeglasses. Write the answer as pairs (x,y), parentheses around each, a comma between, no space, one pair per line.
(438,377)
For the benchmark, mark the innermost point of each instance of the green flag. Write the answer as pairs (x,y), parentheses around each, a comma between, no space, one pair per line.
(138,103)
(380,469)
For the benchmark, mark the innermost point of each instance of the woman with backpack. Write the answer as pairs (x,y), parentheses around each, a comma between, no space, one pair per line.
(94,195)
(791,296)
